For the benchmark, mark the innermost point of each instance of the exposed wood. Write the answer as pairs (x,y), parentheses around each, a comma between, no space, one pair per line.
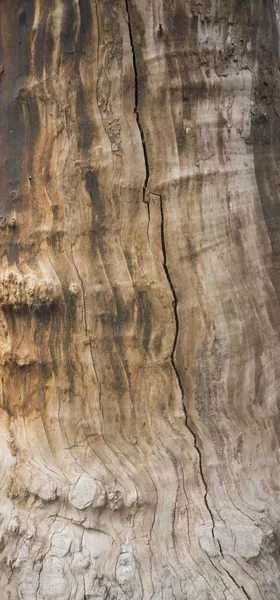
(139,297)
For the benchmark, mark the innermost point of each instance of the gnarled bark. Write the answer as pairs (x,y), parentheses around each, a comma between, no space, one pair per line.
(139,294)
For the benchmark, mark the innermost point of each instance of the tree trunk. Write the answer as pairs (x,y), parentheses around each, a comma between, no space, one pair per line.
(139,292)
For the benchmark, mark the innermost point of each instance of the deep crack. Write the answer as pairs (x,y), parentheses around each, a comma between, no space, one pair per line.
(172,357)
(241,587)
(168,277)
(136,110)
(166,270)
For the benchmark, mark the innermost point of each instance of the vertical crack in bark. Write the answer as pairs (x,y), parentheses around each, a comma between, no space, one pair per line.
(175,299)
(136,103)
(172,356)
(166,270)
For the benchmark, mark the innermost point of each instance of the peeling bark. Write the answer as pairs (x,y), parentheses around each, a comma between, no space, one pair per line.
(139,300)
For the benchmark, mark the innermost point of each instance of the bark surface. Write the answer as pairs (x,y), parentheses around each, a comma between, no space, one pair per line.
(139,300)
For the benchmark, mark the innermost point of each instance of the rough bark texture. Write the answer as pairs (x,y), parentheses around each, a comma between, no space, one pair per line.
(139,292)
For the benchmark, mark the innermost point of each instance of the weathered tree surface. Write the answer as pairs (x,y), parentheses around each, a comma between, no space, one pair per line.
(139,293)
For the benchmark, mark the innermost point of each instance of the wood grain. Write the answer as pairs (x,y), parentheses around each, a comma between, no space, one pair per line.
(139,300)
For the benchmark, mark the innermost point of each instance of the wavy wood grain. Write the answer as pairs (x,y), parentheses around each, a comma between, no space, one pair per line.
(139,300)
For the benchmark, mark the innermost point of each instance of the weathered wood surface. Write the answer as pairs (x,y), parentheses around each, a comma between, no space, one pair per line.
(139,292)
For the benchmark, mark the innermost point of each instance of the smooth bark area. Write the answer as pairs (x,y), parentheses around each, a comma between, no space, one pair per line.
(139,297)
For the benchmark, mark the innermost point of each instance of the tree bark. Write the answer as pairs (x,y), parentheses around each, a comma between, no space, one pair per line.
(139,296)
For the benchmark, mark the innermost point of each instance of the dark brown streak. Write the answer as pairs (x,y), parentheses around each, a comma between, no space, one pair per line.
(136,105)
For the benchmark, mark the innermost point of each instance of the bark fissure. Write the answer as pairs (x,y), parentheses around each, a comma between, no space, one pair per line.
(136,104)
(241,587)
(166,270)
(172,357)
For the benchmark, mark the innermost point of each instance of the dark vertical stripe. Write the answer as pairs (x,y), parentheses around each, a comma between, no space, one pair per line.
(16,26)
(265,130)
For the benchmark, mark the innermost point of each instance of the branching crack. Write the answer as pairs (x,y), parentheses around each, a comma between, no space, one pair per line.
(136,104)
